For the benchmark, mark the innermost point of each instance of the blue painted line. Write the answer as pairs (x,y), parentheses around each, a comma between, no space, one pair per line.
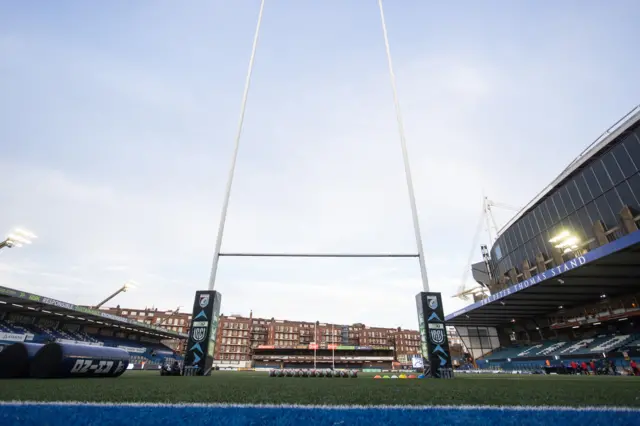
(60,414)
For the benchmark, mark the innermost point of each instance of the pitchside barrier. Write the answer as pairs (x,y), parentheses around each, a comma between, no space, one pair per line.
(16,358)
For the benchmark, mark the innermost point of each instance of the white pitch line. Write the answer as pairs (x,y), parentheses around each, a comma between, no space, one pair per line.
(323,407)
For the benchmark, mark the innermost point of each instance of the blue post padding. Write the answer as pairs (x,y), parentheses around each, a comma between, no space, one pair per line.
(16,358)
(67,360)
(32,348)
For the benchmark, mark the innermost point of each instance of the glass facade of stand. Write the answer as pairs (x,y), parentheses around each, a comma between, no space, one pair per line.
(596,191)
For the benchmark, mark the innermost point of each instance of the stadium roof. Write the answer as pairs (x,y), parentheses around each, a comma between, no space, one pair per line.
(612,270)
(22,302)
(622,125)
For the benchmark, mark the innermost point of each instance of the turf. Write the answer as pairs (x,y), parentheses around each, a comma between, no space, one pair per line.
(257,388)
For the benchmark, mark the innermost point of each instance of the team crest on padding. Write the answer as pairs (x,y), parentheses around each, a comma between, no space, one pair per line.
(199,333)
(436,333)
(204,300)
(432,301)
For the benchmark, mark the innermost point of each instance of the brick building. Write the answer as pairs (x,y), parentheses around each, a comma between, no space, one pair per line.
(171,320)
(238,336)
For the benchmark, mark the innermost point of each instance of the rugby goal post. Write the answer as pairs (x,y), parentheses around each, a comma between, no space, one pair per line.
(206,306)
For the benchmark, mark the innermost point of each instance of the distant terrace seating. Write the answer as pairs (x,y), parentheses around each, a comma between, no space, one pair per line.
(590,346)
(633,344)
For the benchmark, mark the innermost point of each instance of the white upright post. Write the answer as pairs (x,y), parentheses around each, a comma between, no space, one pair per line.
(232,168)
(333,348)
(405,156)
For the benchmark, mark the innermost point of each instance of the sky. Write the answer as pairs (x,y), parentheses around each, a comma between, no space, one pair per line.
(118,119)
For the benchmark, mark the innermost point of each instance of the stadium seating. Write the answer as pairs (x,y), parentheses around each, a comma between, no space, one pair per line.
(633,343)
(148,353)
(588,347)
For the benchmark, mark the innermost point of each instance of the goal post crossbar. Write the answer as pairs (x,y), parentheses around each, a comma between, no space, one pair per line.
(325,255)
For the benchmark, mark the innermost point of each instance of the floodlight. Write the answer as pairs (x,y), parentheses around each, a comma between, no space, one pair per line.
(17,238)
(126,286)
(129,285)
(565,241)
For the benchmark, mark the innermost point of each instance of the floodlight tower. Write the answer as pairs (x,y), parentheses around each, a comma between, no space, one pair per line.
(493,232)
(17,238)
(166,319)
(125,287)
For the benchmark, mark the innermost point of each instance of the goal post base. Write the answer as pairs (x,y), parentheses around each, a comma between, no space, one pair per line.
(434,343)
(201,344)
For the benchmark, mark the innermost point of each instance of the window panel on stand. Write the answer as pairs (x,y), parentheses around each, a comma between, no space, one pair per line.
(570,225)
(525,229)
(607,215)
(612,167)
(624,161)
(627,196)
(538,225)
(576,226)
(519,234)
(547,236)
(556,230)
(566,198)
(529,249)
(506,247)
(511,235)
(544,245)
(535,244)
(633,148)
(508,264)
(592,182)
(519,258)
(532,225)
(553,211)
(583,188)
(559,203)
(634,183)
(585,222)
(576,200)
(535,248)
(602,176)
(594,213)
(547,216)
(614,201)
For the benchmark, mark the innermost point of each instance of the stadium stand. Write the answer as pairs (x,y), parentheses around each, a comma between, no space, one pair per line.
(562,282)
(27,317)
(149,353)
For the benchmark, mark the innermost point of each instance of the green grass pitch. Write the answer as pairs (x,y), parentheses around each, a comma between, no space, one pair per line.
(258,388)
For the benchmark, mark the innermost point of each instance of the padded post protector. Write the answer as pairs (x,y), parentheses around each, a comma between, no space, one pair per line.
(204,328)
(60,360)
(433,335)
(15,359)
